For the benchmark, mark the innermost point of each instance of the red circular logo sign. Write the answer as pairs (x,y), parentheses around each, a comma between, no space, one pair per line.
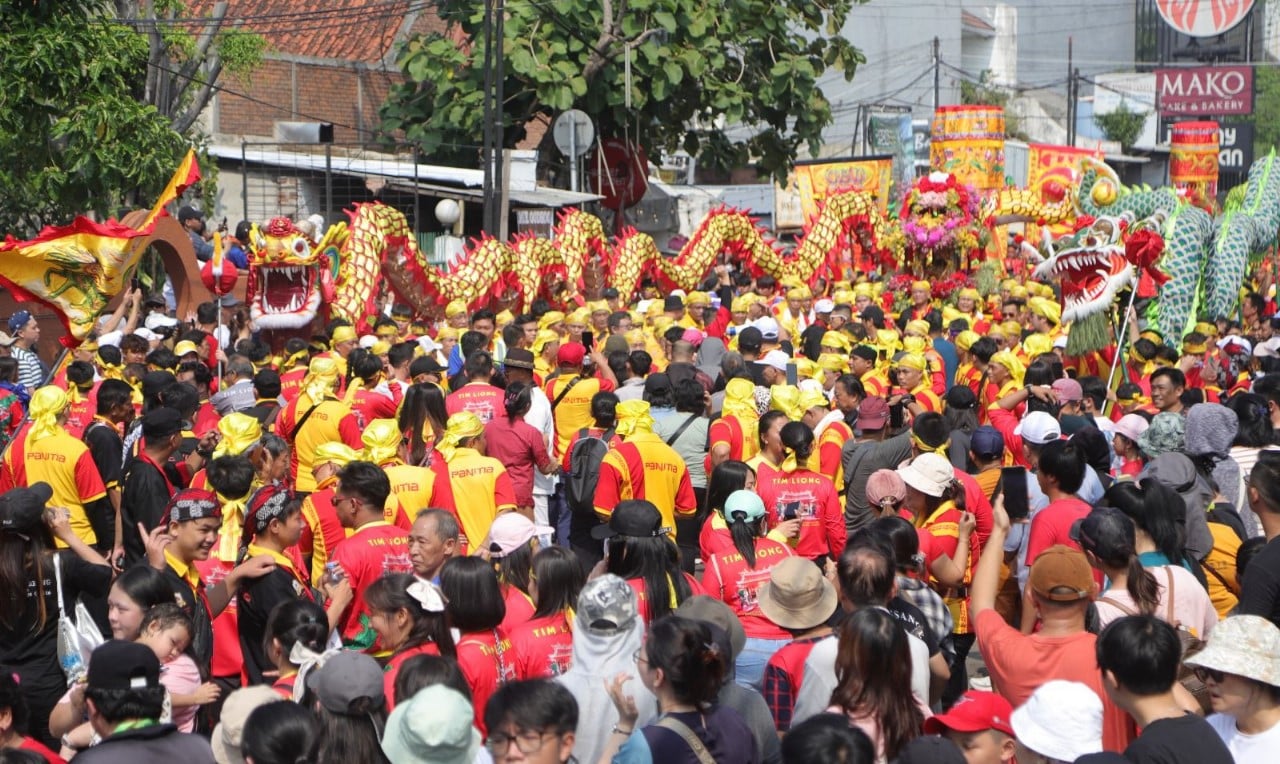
(1203,18)
(618,171)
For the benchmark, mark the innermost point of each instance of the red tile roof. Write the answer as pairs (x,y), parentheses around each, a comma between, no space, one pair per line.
(363,31)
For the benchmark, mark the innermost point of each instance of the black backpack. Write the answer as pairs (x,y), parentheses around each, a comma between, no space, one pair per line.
(584,470)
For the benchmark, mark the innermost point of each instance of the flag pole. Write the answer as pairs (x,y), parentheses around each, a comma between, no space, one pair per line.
(1120,341)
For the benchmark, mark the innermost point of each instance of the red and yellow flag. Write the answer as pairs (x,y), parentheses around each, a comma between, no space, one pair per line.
(76,269)
(187,174)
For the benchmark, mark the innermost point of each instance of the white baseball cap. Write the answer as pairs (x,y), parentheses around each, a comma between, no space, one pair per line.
(768,327)
(1038,428)
(824,306)
(157,321)
(146,334)
(1061,720)
(775,358)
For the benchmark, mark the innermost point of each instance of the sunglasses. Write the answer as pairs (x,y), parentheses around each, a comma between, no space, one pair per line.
(1205,674)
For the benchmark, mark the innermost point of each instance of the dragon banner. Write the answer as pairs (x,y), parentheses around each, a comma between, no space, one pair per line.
(76,269)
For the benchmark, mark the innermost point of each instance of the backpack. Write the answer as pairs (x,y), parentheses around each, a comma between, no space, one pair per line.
(584,470)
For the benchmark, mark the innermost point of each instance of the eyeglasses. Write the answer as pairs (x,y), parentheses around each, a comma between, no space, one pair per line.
(638,658)
(528,742)
(1205,674)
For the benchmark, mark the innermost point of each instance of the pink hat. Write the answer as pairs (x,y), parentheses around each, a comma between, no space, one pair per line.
(692,336)
(1132,426)
(885,486)
(512,530)
(1068,390)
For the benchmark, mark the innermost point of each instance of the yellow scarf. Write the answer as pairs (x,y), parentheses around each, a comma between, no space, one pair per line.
(460,426)
(47,404)
(232,529)
(633,418)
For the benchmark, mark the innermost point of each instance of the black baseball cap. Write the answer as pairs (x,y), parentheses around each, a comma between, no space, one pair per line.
(673,302)
(634,517)
(609,293)
(1105,531)
(189,213)
(153,382)
(22,509)
(750,338)
(120,665)
(162,421)
(986,442)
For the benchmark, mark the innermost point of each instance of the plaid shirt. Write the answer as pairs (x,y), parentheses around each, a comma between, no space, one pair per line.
(935,611)
(782,677)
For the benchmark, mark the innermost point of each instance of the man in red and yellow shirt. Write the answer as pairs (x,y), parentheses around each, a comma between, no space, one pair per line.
(316,416)
(862,363)
(322,531)
(374,548)
(733,435)
(412,488)
(570,393)
(472,486)
(912,377)
(44,452)
(644,467)
(831,432)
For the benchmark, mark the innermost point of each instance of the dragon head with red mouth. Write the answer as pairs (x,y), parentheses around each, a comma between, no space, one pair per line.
(289,276)
(1090,265)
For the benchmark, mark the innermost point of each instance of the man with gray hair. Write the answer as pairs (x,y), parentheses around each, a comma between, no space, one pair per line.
(237,387)
(432,541)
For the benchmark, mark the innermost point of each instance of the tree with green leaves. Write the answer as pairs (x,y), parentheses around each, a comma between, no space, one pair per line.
(1123,125)
(81,128)
(697,69)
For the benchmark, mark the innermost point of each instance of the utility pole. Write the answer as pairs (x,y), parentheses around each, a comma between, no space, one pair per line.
(486,152)
(1071,97)
(500,176)
(937,73)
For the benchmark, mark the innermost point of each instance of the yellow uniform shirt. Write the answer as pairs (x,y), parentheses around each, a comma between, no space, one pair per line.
(66,465)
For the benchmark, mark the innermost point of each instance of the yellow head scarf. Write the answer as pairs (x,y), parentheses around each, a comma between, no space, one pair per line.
(913,344)
(322,377)
(1010,362)
(918,327)
(1046,309)
(805,369)
(965,339)
(862,289)
(342,334)
(786,398)
(381,439)
(1207,329)
(1012,330)
(635,337)
(46,405)
(1037,344)
(971,293)
(381,347)
(446,333)
(739,304)
(239,432)
(920,285)
(813,399)
(833,362)
(836,340)
(887,339)
(544,337)
(912,361)
(455,308)
(336,453)
(292,360)
(662,323)
(633,418)
(550,318)
(925,448)
(579,316)
(503,318)
(740,401)
(460,426)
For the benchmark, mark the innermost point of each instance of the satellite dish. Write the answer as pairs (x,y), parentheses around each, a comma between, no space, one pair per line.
(573,133)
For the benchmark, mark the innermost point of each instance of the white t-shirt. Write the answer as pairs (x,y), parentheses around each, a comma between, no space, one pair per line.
(1246,749)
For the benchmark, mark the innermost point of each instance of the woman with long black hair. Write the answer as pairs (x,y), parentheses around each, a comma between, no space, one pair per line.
(32,569)
(542,646)
(794,492)
(474,603)
(735,577)
(422,420)
(873,682)
(640,552)
(731,475)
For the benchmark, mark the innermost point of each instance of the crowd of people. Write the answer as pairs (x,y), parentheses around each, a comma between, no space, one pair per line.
(757,522)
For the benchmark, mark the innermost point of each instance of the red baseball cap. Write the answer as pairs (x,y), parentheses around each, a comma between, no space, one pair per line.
(571,354)
(973,712)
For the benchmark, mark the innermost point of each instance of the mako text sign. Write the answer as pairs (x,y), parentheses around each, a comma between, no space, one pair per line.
(1204,91)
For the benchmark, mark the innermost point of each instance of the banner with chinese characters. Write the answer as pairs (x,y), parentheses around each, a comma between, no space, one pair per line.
(817,180)
(968,142)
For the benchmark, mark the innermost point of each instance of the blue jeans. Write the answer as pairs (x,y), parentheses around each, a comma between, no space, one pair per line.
(755,655)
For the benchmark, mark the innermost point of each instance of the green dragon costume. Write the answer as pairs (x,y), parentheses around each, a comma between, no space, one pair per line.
(1206,257)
